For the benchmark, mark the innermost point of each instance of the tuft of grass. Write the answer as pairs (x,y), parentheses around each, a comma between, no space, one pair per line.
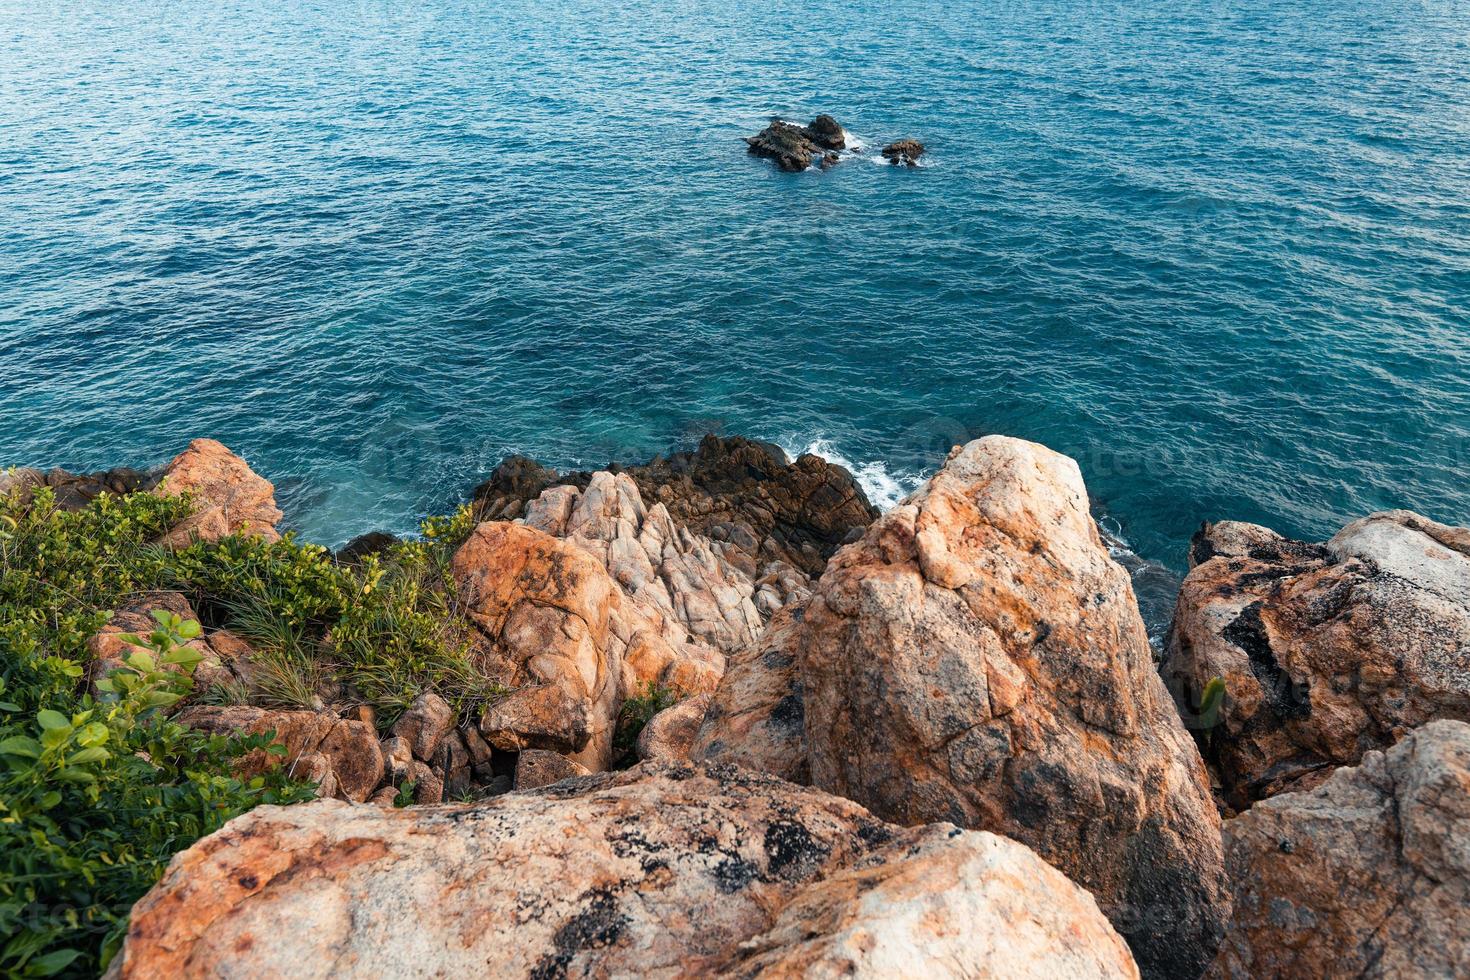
(379,632)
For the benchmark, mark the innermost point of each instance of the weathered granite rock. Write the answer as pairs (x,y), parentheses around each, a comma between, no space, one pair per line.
(904,152)
(356,759)
(663,871)
(453,763)
(537,767)
(545,606)
(977,657)
(1368,875)
(398,759)
(794,147)
(350,748)
(229,497)
(428,785)
(231,660)
(226,658)
(21,481)
(107,648)
(746,496)
(560,632)
(660,564)
(669,734)
(1326,651)
(757,717)
(545,716)
(425,724)
(953,905)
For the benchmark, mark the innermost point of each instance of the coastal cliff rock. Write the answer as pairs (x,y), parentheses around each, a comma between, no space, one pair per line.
(763,512)
(1326,651)
(657,562)
(229,497)
(561,634)
(978,658)
(662,870)
(1367,875)
(794,148)
(545,607)
(757,717)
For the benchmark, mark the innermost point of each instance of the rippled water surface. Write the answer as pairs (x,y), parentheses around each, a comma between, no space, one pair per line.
(1220,252)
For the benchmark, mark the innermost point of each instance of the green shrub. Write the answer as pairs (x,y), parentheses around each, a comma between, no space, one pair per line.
(381,631)
(97,795)
(98,792)
(60,573)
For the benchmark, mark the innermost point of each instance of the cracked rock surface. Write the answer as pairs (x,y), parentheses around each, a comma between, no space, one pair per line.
(657,562)
(1327,650)
(1367,875)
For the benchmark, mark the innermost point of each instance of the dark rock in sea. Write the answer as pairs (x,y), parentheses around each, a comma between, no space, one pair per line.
(371,543)
(904,152)
(827,132)
(794,147)
(74,491)
(740,491)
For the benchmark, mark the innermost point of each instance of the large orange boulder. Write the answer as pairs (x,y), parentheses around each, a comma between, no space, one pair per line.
(229,497)
(979,658)
(670,871)
(563,636)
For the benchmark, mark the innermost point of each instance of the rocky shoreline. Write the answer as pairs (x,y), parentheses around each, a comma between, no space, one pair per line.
(928,742)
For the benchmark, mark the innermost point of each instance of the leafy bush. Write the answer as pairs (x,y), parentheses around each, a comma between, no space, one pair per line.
(60,573)
(98,794)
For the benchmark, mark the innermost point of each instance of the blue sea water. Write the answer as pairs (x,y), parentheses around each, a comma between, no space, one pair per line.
(1218,251)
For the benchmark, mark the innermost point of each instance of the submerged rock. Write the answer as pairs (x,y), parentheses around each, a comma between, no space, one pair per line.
(1326,650)
(793,147)
(662,870)
(1367,875)
(904,152)
(977,657)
